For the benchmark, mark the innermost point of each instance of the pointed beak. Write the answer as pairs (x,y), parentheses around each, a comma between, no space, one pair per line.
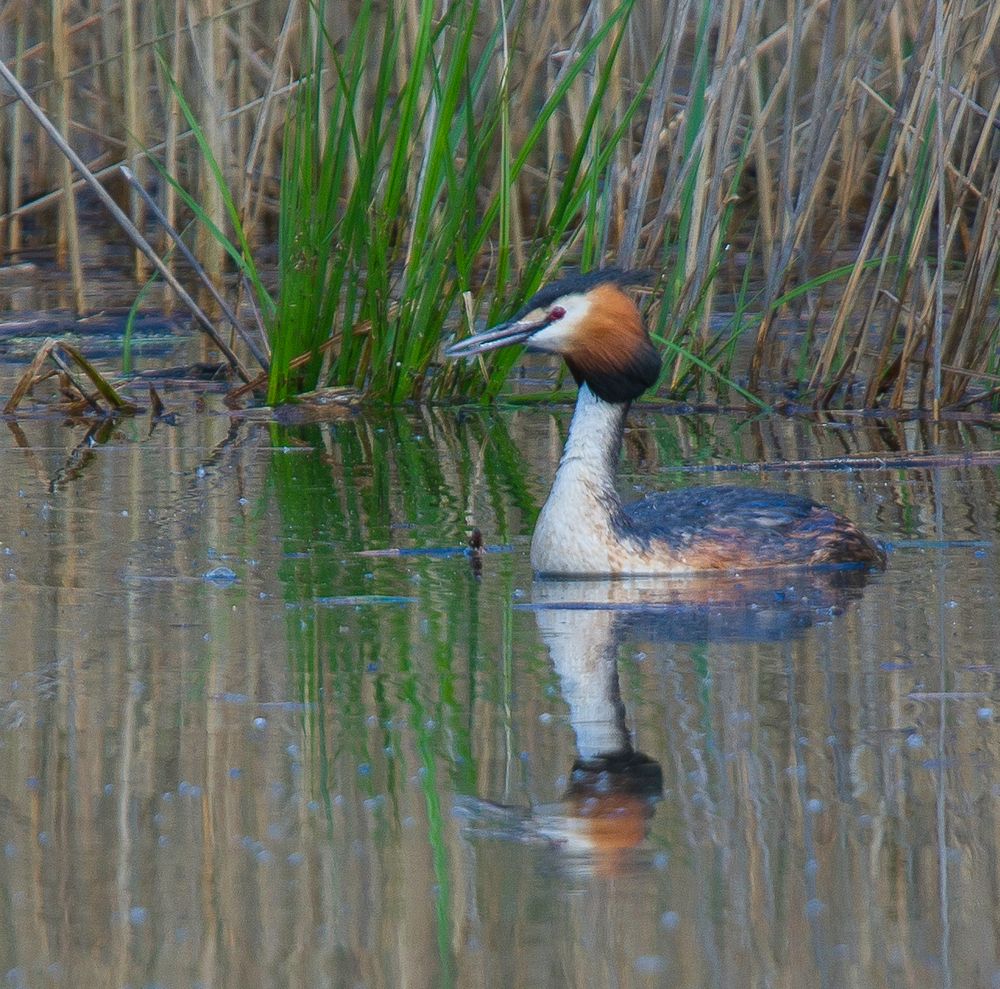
(498,336)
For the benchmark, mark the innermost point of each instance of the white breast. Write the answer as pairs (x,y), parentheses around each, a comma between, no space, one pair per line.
(575,534)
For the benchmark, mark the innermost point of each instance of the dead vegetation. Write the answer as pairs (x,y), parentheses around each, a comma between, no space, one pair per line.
(62,362)
(778,145)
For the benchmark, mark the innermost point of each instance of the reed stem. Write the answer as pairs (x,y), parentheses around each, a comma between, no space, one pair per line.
(121,219)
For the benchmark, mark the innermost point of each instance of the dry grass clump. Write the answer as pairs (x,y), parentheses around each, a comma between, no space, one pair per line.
(826,161)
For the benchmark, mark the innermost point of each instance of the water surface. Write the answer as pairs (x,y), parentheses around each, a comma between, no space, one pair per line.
(237,749)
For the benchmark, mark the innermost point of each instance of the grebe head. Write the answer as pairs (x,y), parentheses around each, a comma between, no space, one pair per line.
(592,324)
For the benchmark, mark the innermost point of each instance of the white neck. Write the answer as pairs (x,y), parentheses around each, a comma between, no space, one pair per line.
(576,530)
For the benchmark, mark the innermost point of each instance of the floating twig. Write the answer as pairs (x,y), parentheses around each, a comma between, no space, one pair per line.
(884,461)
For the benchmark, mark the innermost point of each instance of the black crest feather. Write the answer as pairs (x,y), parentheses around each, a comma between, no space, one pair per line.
(582,283)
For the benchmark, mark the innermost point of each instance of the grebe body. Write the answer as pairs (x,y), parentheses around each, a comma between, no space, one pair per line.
(584,529)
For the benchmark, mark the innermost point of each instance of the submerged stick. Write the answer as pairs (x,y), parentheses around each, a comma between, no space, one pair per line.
(873,461)
(197,268)
(131,231)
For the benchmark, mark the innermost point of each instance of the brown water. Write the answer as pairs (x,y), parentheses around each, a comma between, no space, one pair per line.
(235,752)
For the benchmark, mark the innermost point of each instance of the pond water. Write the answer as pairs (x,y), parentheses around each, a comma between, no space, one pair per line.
(239,749)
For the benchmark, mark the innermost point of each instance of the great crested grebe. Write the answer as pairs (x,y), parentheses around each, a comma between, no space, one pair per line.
(584,529)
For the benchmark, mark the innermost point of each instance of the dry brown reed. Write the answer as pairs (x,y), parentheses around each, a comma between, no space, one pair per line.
(68,236)
(784,141)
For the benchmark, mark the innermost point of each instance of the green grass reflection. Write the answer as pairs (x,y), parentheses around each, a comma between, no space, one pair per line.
(387,651)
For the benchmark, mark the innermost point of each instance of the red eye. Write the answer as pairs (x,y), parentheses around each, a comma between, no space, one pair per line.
(556,312)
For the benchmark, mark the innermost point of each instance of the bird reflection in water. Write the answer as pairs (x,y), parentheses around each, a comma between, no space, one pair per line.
(602,821)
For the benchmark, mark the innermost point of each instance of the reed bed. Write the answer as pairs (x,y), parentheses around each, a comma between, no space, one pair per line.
(815,183)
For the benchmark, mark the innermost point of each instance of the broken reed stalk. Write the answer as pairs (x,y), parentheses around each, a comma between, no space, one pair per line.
(251,301)
(51,350)
(131,231)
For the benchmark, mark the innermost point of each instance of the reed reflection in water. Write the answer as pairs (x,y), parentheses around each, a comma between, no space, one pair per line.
(345,769)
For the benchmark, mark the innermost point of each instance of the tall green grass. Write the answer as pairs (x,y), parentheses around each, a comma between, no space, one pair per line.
(398,188)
